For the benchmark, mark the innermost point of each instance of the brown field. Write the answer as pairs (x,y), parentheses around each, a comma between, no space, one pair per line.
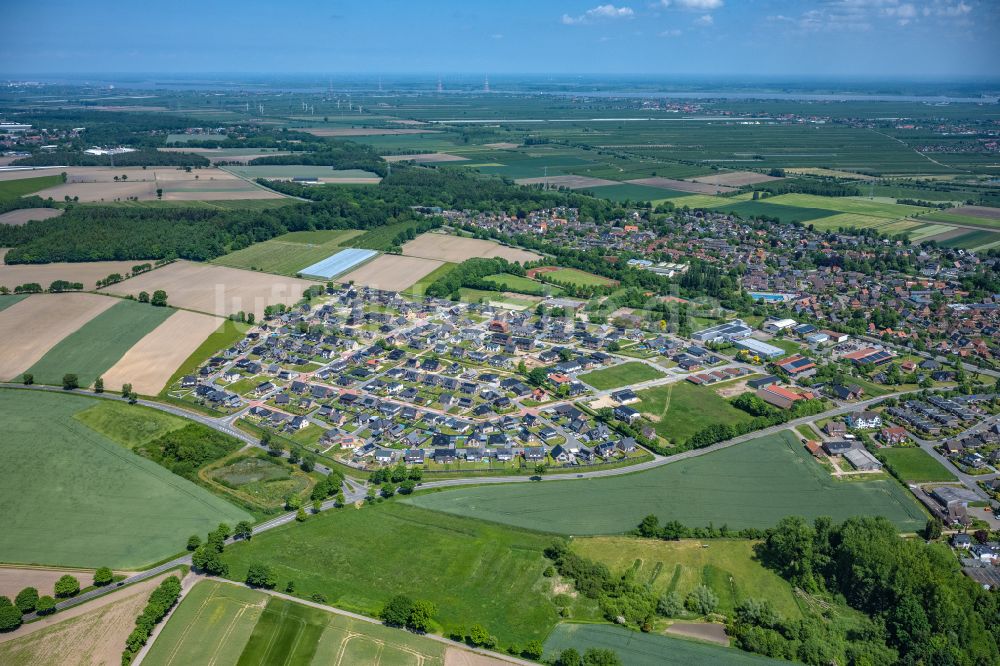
(444,247)
(681,185)
(91,634)
(735,178)
(426,158)
(214,289)
(25,215)
(31,327)
(87,272)
(714,633)
(37,172)
(457,657)
(15,579)
(570,181)
(834,173)
(948,235)
(215,155)
(391,272)
(149,364)
(503,145)
(98,184)
(363,131)
(982,212)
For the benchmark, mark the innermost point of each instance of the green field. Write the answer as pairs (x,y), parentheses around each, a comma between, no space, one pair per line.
(728,566)
(74,497)
(578,278)
(508,282)
(417,289)
(226,625)
(380,238)
(8,300)
(297,171)
(633,192)
(958,218)
(228,334)
(625,374)
(289,253)
(681,409)
(971,240)
(468,295)
(97,345)
(130,427)
(638,649)
(915,464)
(753,484)
(786,214)
(12,189)
(358,558)
(858,205)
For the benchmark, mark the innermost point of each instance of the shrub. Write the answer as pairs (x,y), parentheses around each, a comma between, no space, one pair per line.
(46,605)
(103,576)
(702,600)
(67,586)
(27,599)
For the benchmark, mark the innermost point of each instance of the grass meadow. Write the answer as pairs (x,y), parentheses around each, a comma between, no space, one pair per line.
(681,409)
(12,189)
(578,278)
(625,374)
(358,558)
(97,345)
(75,497)
(289,253)
(753,484)
(915,464)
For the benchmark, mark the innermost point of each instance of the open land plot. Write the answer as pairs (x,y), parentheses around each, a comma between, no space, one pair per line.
(681,409)
(570,181)
(98,344)
(695,186)
(216,290)
(639,649)
(92,634)
(468,568)
(364,131)
(915,464)
(972,240)
(753,484)
(728,566)
(419,288)
(456,249)
(576,277)
(14,579)
(228,334)
(216,155)
(954,216)
(748,209)
(508,282)
(624,374)
(983,212)
(14,184)
(736,178)
(127,426)
(832,173)
(391,272)
(632,192)
(77,498)
(224,624)
(325,174)
(426,158)
(152,360)
(31,327)
(25,215)
(289,253)
(858,205)
(7,300)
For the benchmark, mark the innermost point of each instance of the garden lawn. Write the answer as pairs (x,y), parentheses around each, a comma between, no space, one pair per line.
(97,345)
(73,497)
(638,649)
(753,484)
(681,409)
(915,464)
(728,566)
(358,558)
(625,374)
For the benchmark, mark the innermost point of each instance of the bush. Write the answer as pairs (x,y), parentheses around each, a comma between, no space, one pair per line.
(67,586)
(260,575)
(600,657)
(103,576)
(569,657)
(10,617)
(702,600)
(70,381)
(670,605)
(27,599)
(46,605)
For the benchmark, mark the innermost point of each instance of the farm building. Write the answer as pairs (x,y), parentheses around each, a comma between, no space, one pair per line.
(862,460)
(759,348)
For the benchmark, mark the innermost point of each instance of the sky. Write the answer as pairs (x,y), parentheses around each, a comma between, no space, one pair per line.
(905,39)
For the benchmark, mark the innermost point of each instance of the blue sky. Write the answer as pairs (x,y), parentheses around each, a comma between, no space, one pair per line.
(937,39)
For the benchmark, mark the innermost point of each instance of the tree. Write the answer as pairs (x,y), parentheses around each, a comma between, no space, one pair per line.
(159,298)
(27,599)
(317,505)
(159,193)
(99,385)
(126,390)
(396,612)
(600,657)
(193,542)
(702,600)
(70,382)
(421,616)
(244,530)
(479,636)
(308,463)
(133,398)
(207,560)
(670,605)
(144,297)
(260,575)
(67,586)
(569,657)
(301,515)
(932,530)
(103,576)
(650,526)
(251,318)
(28,379)
(10,617)
(533,650)
(46,605)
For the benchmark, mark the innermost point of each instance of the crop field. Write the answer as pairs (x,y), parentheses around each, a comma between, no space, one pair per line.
(569,181)
(639,649)
(7,300)
(681,409)
(473,571)
(418,288)
(126,425)
(93,633)
(391,272)
(624,374)
(88,273)
(735,178)
(74,497)
(575,277)
(753,484)
(21,186)
(857,205)
(456,249)
(700,201)
(215,155)
(325,174)
(689,186)
(25,215)
(728,566)
(971,240)
(30,327)
(426,158)
(225,624)
(94,184)
(915,464)
(225,336)
(289,253)
(633,192)
(149,364)
(98,344)
(216,290)
(956,217)
(782,213)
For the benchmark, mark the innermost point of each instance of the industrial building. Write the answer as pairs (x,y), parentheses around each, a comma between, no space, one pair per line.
(759,348)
